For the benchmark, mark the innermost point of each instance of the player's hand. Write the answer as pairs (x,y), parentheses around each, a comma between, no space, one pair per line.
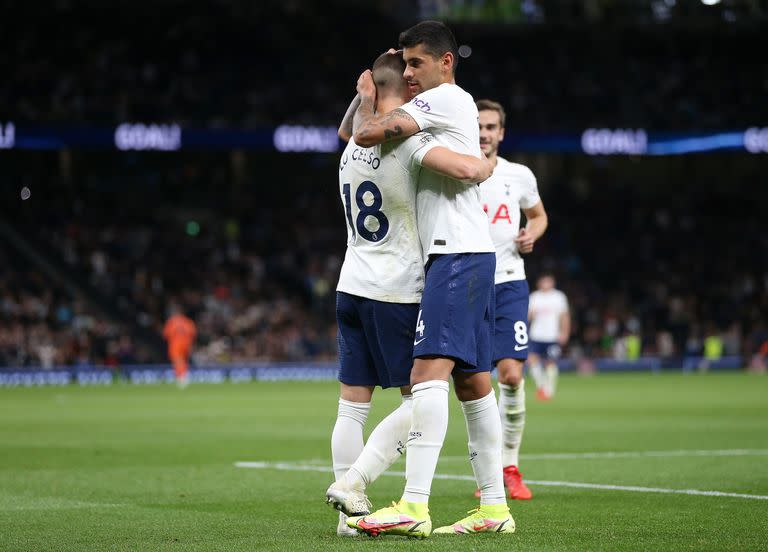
(394,52)
(487,168)
(562,339)
(524,241)
(365,86)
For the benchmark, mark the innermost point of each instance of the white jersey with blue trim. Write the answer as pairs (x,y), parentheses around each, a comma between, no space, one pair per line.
(377,186)
(510,188)
(450,213)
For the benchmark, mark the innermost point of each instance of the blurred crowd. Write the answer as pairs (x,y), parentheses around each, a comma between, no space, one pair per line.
(668,253)
(268,63)
(250,303)
(656,252)
(247,307)
(647,271)
(42,324)
(139,240)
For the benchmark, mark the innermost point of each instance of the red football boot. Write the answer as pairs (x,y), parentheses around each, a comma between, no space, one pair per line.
(542,395)
(513,481)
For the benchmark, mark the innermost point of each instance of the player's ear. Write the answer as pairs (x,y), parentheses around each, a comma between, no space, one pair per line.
(446,61)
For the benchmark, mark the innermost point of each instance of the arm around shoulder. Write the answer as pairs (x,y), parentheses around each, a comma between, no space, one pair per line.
(466,168)
(345,129)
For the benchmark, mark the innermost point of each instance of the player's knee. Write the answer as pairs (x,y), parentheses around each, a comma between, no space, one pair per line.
(472,386)
(512,379)
(510,371)
(356,393)
(429,369)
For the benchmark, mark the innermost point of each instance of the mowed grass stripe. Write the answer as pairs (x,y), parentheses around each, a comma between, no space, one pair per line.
(165,456)
(459,477)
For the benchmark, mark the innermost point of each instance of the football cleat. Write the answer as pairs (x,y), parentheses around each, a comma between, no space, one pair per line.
(343,530)
(346,500)
(402,518)
(513,481)
(542,395)
(486,519)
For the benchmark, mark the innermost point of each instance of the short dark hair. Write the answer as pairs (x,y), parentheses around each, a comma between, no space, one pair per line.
(436,37)
(388,71)
(490,105)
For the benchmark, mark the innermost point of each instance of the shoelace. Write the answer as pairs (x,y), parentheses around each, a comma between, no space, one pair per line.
(367,501)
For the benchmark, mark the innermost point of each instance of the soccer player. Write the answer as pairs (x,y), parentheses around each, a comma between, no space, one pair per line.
(179,332)
(550,329)
(453,332)
(512,187)
(380,285)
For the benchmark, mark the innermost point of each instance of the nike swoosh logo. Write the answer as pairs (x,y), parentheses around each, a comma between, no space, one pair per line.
(519,348)
(419,341)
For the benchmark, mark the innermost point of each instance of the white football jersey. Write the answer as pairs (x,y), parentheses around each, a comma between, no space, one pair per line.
(510,188)
(377,186)
(450,214)
(545,308)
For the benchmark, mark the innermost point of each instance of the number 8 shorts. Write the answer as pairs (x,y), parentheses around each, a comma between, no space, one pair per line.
(510,339)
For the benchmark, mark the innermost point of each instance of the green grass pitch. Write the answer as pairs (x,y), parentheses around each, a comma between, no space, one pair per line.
(153,468)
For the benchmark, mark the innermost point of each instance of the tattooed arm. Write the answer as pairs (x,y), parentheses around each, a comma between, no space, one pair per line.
(345,129)
(371,129)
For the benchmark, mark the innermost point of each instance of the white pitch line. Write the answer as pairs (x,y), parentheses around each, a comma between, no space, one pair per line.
(631,454)
(679,453)
(283,466)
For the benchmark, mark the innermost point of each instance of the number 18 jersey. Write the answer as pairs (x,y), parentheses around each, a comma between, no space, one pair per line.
(377,186)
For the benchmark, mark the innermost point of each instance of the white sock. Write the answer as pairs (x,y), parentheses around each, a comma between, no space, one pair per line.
(484,431)
(425,438)
(538,375)
(552,373)
(347,437)
(512,414)
(384,446)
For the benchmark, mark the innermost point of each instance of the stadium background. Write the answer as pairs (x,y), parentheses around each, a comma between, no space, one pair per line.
(184,153)
(633,116)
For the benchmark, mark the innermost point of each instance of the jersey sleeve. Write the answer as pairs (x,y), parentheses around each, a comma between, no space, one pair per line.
(530,195)
(412,150)
(434,108)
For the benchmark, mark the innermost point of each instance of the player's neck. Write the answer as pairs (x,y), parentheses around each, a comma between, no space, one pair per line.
(385,105)
(494,159)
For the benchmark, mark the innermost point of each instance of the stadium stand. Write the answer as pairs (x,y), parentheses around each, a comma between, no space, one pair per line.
(250,244)
(259,279)
(697,70)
